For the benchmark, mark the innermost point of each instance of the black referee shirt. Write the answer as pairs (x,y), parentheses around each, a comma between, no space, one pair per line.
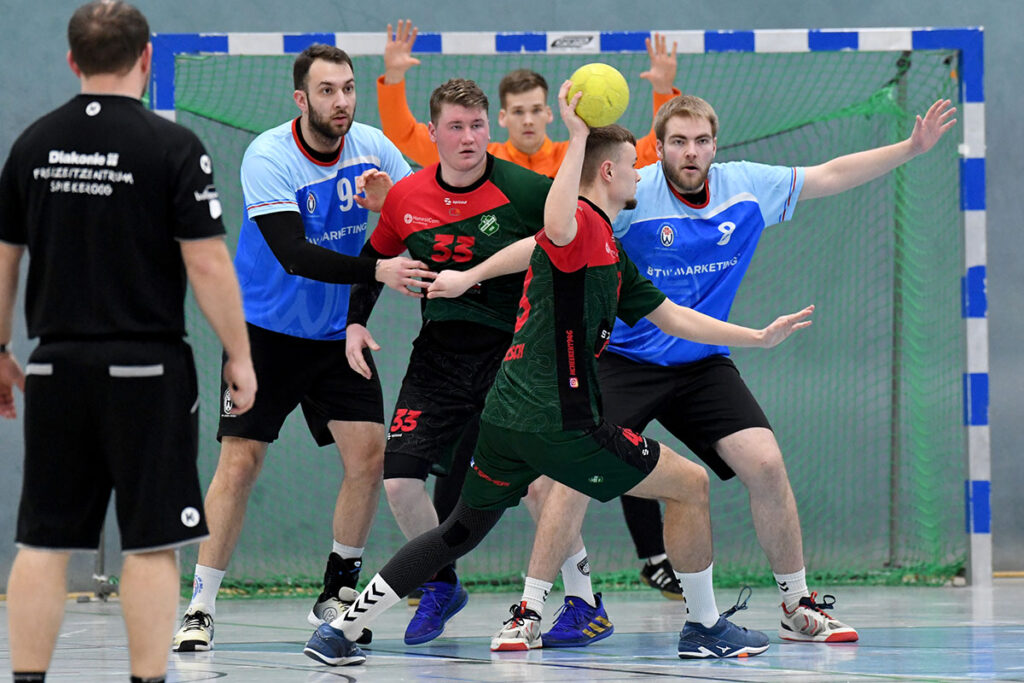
(100,191)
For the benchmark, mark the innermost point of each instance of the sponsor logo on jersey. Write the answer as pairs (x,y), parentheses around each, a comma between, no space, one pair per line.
(310,202)
(205,165)
(419,220)
(726,229)
(667,235)
(515,352)
(596,479)
(488,224)
(448,201)
(92,108)
(190,517)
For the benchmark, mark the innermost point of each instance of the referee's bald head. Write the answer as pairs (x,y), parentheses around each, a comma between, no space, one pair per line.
(107,37)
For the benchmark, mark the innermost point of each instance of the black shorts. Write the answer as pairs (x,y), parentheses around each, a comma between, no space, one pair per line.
(699,403)
(111,415)
(313,373)
(451,369)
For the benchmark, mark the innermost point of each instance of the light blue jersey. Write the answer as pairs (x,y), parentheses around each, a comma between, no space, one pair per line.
(698,255)
(278,175)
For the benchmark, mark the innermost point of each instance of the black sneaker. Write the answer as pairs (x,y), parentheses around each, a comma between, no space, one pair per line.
(661,577)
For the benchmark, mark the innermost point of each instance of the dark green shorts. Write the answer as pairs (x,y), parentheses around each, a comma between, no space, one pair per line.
(603,462)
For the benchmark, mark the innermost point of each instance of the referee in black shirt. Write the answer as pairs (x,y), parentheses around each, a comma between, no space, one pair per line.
(116,207)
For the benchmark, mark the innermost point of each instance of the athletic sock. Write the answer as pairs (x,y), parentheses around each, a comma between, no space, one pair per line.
(657,559)
(576,577)
(205,586)
(535,594)
(792,587)
(346,552)
(29,677)
(700,596)
(371,603)
(157,679)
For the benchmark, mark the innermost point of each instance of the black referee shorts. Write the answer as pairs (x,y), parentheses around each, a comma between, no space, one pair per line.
(313,373)
(699,403)
(103,416)
(451,369)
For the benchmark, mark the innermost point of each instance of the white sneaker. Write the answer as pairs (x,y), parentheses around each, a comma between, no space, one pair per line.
(520,632)
(808,622)
(196,631)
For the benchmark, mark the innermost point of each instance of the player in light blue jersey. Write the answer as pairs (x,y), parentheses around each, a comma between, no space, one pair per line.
(309,185)
(693,233)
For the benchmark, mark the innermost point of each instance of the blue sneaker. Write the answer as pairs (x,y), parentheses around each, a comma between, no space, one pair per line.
(329,646)
(440,602)
(578,624)
(724,639)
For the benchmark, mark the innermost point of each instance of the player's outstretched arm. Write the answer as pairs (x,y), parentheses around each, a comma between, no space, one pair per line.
(514,258)
(849,171)
(11,374)
(396,119)
(560,206)
(398,57)
(687,323)
(662,74)
(213,280)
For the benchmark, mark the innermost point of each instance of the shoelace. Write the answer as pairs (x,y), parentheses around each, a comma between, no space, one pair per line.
(827,602)
(431,600)
(741,602)
(575,615)
(197,620)
(519,614)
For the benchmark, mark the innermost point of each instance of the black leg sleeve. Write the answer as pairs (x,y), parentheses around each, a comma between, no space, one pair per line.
(420,558)
(643,517)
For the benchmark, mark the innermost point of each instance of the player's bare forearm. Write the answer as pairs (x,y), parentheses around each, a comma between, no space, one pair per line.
(851,170)
(514,258)
(687,323)
(215,286)
(560,206)
(10,261)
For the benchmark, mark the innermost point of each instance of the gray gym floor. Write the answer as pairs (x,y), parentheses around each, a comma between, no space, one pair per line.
(906,634)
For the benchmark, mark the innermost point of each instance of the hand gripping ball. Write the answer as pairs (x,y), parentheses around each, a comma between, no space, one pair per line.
(605,94)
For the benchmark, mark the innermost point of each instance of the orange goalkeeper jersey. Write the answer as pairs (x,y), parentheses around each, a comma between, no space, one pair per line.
(413,139)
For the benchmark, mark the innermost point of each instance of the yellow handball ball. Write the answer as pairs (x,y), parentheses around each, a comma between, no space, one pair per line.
(605,94)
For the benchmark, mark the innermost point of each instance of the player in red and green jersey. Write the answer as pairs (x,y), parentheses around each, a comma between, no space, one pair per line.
(452,214)
(583,451)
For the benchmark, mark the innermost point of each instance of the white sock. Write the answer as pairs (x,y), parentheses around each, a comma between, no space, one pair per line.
(371,603)
(656,559)
(347,552)
(205,586)
(792,587)
(700,596)
(535,593)
(576,577)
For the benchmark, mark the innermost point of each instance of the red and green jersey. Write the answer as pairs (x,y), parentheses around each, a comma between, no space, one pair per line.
(571,297)
(458,227)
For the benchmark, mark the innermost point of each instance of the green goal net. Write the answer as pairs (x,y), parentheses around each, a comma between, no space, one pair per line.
(866,405)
